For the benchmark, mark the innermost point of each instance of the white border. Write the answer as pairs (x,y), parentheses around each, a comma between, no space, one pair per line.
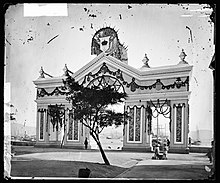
(45,9)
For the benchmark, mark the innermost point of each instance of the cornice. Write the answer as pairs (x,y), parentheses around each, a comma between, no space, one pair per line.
(163,95)
(162,72)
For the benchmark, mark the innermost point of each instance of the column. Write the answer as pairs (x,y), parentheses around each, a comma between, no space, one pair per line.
(179,115)
(135,124)
(179,127)
(41,124)
(46,126)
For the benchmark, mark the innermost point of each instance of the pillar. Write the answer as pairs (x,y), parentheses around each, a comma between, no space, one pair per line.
(179,127)
(41,125)
(134,134)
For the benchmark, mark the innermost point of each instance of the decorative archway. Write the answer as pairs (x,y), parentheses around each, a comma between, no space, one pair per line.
(156,108)
(142,86)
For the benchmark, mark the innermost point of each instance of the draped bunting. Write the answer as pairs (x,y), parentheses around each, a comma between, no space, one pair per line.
(149,119)
(133,85)
(159,108)
(158,85)
(41,92)
(103,70)
(56,113)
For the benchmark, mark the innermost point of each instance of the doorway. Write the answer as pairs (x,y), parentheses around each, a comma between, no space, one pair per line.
(112,136)
(56,122)
(160,122)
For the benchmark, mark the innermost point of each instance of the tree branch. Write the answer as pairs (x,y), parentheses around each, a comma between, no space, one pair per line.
(94,137)
(86,120)
(86,125)
(94,121)
(101,129)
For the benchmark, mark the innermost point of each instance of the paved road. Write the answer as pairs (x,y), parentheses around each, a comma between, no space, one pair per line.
(141,166)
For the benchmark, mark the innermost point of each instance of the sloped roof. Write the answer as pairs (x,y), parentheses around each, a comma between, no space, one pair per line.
(171,71)
(164,71)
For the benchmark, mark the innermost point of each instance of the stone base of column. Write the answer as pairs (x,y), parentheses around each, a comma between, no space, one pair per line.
(178,150)
(140,149)
(58,145)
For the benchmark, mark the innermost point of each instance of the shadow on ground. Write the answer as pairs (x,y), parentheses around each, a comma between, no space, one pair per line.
(53,168)
(192,172)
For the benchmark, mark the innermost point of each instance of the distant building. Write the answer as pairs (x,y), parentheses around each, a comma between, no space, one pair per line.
(20,130)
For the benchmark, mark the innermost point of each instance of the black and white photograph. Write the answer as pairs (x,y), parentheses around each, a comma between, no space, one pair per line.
(104,91)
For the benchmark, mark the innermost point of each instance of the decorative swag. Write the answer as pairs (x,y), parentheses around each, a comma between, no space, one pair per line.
(56,112)
(158,85)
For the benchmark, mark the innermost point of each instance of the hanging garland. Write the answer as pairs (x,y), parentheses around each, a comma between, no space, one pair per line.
(158,85)
(104,69)
(41,92)
(149,119)
(159,109)
(56,113)
(133,85)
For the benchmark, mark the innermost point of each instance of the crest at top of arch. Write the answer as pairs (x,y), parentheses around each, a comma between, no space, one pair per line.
(106,40)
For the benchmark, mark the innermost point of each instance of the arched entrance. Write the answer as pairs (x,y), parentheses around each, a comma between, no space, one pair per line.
(112,136)
(160,116)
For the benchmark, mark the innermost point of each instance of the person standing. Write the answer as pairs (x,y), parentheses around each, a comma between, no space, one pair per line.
(190,141)
(168,142)
(156,151)
(86,143)
(165,150)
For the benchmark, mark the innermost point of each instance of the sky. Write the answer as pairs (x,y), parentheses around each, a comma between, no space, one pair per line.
(159,30)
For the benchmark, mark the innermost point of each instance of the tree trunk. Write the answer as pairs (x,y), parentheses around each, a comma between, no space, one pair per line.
(62,142)
(64,135)
(104,157)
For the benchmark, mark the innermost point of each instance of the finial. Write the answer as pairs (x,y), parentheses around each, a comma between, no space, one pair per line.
(182,57)
(145,61)
(41,73)
(65,69)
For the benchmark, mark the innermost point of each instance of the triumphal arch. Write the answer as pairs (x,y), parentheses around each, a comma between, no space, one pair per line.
(162,89)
